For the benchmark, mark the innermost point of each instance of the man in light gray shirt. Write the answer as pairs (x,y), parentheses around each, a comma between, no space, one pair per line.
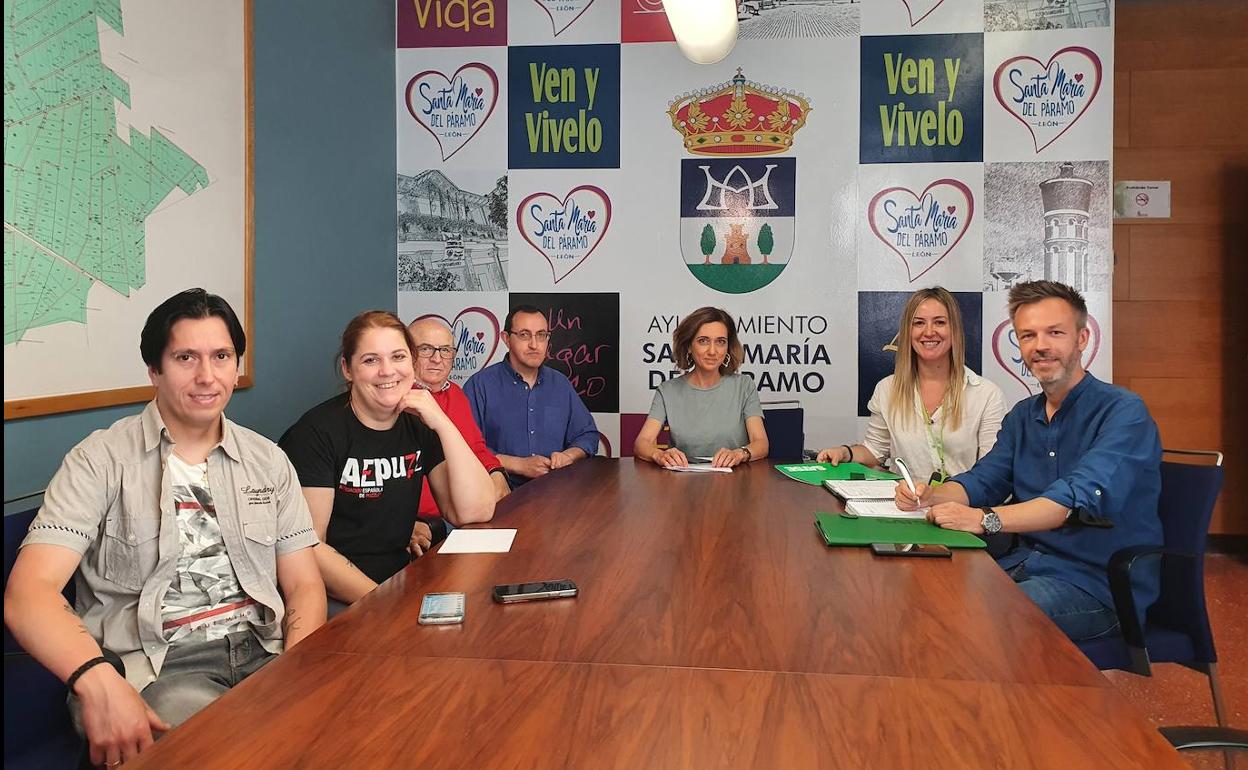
(188,539)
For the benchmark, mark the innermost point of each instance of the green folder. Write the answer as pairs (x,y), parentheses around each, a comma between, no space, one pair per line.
(817,473)
(839,530)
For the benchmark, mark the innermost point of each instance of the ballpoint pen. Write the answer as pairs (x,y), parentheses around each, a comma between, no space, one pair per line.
(905,474)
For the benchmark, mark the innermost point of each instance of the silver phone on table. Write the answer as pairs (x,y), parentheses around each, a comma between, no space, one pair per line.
(441,609)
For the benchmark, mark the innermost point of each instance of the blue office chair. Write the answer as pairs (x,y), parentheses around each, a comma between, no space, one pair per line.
(1176,627)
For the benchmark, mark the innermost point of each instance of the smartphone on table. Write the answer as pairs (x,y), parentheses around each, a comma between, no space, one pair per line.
(441,609)
(528,592)
(911,549)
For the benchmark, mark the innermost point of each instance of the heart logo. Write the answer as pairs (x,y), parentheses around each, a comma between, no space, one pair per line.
(923,8)
(1048,98)
(475,334)
(921,229)
(566,231)
(453,109)
(1009,357)
(563,13)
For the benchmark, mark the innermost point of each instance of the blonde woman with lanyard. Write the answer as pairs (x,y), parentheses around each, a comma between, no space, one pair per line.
(932,412)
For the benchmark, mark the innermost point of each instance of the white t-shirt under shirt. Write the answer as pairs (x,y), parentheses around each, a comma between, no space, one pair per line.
(705,420)
(205,601)
(983,408)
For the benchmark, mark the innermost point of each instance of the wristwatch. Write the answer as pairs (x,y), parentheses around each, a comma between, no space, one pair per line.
(991,521)
(748,454)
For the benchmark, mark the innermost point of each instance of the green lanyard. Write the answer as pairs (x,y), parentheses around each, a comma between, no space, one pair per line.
(936,442)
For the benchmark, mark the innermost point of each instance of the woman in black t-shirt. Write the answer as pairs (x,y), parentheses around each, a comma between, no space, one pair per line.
(362,454)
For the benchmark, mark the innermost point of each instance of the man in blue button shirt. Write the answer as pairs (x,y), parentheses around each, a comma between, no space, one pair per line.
(530,414)
(1082,461)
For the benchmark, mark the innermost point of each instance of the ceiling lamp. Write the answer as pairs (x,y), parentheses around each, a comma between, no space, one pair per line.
(705,30)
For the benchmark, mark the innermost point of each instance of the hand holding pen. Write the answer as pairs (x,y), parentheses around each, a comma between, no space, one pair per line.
(909,496)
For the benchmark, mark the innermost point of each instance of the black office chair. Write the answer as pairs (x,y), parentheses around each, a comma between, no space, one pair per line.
(37,730)
(1176,627)
(784,423)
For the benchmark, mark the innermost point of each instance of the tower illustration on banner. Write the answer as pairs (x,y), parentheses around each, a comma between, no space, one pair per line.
(1067,200)
(737,204)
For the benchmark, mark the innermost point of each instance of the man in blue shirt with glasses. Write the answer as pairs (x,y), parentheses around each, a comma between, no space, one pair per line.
(1082,462)
(530,415)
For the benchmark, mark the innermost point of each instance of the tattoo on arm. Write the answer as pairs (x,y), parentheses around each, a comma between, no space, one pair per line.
(351,565)
(290,623)
(82,627)
(348,562)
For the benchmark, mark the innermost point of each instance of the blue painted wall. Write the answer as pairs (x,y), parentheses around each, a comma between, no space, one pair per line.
(324,219)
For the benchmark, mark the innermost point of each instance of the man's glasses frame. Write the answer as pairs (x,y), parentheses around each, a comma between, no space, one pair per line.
(427,351)
(526,335)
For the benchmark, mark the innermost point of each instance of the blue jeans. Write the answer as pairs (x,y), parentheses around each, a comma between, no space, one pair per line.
(1080,615)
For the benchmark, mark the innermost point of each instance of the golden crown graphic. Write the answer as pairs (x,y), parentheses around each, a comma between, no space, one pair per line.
(739,117)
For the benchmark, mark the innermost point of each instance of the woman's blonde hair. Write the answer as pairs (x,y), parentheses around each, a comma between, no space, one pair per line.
(906,368)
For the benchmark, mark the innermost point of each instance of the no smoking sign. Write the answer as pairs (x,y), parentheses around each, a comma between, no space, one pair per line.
(1141,200)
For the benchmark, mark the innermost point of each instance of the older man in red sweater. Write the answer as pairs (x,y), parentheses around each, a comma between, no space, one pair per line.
(435,356)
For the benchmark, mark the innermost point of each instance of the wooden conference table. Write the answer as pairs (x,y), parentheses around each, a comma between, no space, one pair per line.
(713,629)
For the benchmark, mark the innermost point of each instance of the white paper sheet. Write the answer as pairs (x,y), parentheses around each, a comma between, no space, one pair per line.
(697,469)
(479,541)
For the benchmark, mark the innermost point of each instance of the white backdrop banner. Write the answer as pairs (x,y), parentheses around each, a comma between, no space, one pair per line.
(842,156)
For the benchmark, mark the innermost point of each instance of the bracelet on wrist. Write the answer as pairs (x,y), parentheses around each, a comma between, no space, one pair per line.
(84,668)
(849,449)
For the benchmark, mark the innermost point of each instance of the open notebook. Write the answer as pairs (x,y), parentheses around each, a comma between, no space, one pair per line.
(872,499)
(862,490)
(881,509)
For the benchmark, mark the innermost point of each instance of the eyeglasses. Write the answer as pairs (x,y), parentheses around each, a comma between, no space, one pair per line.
(427,351)
(527,335)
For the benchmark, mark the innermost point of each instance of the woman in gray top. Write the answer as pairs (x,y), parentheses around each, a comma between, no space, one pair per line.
(713,412)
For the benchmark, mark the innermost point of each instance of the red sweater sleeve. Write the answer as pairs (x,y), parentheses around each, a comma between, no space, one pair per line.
(455,404)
